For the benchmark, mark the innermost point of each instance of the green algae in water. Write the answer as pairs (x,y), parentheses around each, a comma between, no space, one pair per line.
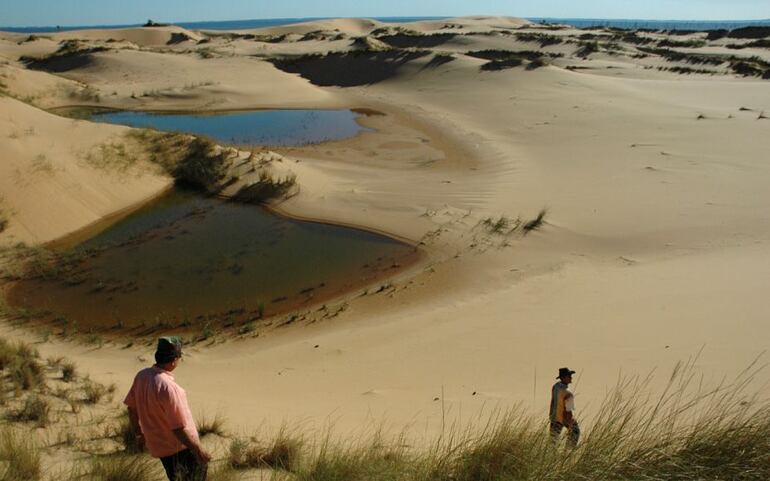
(186,258)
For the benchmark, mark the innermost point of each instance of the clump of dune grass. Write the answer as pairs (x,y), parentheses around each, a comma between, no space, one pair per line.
(194,162)
(283,452)
(215,425)
(35,409)
(372,459)
(4,217)
(19,457)
(223,472)
(21,364)
(21,261)
(68,371)
(266,188)
(501,225)
(121,467)
(94,392)
(126,435)
(535,223)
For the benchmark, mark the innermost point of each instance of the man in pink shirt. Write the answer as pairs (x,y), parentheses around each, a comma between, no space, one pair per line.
(161,418)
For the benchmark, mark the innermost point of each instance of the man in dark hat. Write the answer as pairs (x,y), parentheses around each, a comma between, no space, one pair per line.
(161,419)
(562,408)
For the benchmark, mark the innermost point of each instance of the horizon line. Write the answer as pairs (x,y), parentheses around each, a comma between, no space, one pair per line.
(310,19)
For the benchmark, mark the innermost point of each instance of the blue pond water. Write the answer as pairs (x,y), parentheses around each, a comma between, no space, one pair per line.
(262,127)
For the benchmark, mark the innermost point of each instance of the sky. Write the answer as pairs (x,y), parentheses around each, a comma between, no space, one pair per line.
(105,12)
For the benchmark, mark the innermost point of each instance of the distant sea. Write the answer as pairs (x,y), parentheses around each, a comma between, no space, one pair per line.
(576,22)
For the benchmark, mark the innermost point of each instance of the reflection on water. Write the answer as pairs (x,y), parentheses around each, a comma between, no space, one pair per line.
(266,127)
(186,259)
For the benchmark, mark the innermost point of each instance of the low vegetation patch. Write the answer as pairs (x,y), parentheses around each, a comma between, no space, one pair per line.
(281,453)
(543,39)
(634,38)
(504,59)
(215,425)
(535,223)
(35,409)
(348,69)
(761,43)
(71,54)
(686,70)
(267,188)
(20,365)
(416,40)
(68,371)
(120,467)
(691,58)
(749,32)
(93,392)
(4,217)
(21,261)
(745,66)
(194,162)
(19,456)
(693,43)
(322,35)
(111,156)
(587,48)
(440,59)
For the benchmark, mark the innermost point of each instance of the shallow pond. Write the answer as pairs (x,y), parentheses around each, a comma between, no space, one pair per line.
(263,127)
(186,259)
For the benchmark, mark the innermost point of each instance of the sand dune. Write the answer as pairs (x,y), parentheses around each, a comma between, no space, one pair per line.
(56,175)
(351,26)
(145,37)
(653,170)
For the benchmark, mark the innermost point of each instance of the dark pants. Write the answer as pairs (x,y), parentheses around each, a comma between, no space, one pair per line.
(573,433)
(184,466)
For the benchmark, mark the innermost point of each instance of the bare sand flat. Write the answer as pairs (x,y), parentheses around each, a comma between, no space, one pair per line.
(655,245)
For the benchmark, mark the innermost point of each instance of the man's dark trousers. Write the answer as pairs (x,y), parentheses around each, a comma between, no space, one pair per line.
(184,466)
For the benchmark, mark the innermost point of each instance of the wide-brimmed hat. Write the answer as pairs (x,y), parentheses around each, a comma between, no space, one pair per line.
(169,348)
(564,371)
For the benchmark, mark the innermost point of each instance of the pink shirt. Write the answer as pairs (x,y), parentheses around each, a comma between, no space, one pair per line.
(162,407)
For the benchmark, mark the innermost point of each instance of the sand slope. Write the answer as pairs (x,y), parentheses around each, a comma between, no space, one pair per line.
(655,244)
(55,176)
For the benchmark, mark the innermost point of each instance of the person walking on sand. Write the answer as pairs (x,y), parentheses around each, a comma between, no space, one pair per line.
(161,419)
(562,409)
